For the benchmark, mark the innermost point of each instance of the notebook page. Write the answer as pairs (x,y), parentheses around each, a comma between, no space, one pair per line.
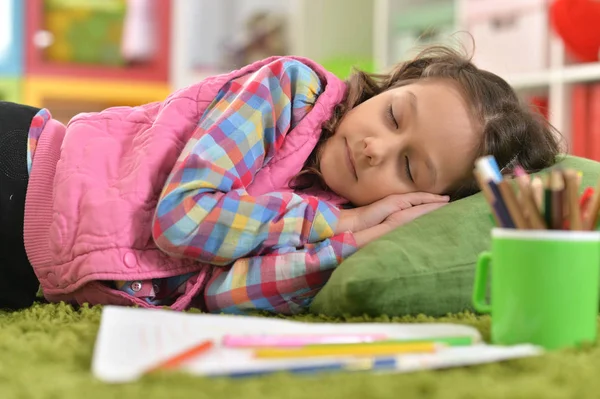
(131,340)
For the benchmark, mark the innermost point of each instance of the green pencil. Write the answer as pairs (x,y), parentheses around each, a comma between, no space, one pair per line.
(449,341)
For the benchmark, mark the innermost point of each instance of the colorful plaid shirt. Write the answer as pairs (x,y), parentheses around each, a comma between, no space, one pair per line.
(275,251)
(271,252)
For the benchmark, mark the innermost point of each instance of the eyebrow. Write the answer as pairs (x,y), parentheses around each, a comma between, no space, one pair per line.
(412,99)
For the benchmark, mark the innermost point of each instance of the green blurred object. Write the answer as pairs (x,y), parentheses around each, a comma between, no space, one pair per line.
(342,66)
(10,89)
(85,31)
(423,16)
(422,25)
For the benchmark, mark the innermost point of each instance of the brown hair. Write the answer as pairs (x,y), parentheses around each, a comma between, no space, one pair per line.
(511,131)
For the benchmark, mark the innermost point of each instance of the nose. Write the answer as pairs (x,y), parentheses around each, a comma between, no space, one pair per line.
(376,150)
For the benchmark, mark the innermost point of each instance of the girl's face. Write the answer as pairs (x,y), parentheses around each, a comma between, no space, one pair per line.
(418,137)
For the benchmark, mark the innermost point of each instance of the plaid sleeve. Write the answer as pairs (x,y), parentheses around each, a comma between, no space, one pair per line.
(204,211)
(283,282)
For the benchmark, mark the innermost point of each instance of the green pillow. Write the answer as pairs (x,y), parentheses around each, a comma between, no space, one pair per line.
(426,266)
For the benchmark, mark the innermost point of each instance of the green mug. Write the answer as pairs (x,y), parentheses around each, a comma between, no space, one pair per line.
(544,287)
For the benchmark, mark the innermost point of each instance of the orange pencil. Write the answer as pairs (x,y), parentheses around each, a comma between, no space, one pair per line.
(178,359)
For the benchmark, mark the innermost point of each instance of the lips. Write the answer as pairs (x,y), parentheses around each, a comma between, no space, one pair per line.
(350,161)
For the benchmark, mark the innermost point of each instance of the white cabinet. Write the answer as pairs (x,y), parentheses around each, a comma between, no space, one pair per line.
(376,34)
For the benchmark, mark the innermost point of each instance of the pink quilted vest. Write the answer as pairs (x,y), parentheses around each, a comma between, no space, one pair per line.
(95,183)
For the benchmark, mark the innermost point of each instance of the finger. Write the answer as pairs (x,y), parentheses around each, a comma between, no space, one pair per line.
(403,201)
(410,214)
(418,198)
(420,210)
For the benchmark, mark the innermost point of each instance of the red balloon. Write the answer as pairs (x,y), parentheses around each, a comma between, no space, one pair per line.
(577,22)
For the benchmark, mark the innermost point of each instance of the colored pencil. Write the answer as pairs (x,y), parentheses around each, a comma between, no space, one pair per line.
(513,206)
(345,350)
(584,202)
(350,365)
(490,176)
(448,341)
(531,211)
(489,197)
(180,358)
(592,211)
(557,186)
(507,220)
(537,188)
(250,341)
(572,197)
(547,201)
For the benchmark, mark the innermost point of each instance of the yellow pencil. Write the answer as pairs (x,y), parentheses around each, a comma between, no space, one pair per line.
(356,350)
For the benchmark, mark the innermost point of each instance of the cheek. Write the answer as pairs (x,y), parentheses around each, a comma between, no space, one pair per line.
(380,185)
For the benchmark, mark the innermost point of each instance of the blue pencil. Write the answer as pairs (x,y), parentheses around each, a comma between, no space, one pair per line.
(490,175)
(383,363)
(500,207)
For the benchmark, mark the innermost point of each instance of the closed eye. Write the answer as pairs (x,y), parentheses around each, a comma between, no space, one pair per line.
(390,115)
(407,169)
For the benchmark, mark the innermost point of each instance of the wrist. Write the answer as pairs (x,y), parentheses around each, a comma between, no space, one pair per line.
(364,237)
(346,221)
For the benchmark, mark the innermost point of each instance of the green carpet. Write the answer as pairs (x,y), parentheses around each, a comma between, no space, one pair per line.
(45,352)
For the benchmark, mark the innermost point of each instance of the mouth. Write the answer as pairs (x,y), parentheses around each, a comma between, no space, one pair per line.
(350,161)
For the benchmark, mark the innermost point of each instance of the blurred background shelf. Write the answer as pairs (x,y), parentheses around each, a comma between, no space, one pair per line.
(110,49)
(567,74)
(66,97)
(11,37)
(10,89)
(88,39)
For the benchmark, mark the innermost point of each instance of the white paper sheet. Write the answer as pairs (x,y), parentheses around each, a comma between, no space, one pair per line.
(132,340)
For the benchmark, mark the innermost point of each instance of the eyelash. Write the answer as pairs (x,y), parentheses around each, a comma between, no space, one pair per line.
(390,115)
(407,169)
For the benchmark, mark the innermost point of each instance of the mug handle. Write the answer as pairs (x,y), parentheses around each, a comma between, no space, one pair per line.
(480,286)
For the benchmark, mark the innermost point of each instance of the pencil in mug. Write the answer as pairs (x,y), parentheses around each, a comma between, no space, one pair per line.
(556,189)
(489,168)
(513,206)
(584,202)
(507,194)
(531,209)
(489,197)
(547,201)
(572,198)
(591,217)
(537,188)
(489,176)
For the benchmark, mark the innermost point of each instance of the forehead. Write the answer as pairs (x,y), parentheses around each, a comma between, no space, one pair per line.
(444,128)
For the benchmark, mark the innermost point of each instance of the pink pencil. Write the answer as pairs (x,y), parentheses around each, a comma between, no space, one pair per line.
(249,341)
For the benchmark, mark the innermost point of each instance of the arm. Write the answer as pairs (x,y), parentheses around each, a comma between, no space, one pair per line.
(283,282)
(204,211)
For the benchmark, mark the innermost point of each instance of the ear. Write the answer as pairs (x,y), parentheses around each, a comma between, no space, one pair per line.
(576,22)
